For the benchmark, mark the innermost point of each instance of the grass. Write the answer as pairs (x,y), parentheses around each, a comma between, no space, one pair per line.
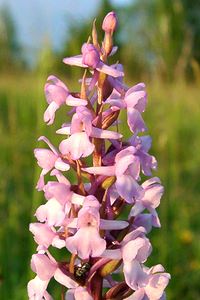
(172,116)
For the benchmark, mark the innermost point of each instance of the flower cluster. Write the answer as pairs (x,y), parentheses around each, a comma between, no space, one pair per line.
(103,218)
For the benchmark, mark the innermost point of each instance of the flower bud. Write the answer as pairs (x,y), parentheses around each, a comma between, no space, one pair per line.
(91,56)
(110,22)
(110,267)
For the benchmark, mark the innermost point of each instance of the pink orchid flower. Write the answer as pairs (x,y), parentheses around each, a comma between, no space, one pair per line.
(147,161)
(134,249)
(48,159)
(83,120)
(79,293)
(153,192)
(90,58)
(134,101)
(147,221)
(126,169)
(45,236)
(88,225)
(150,283)
(46,267)
(58,94)
(77,145)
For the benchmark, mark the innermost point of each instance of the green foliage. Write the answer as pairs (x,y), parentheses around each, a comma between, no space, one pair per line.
(159,40)
(10,53)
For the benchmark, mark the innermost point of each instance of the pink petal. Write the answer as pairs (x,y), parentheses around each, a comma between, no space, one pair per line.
(36,288)
(93,81)
(43,235)
(109,70)
(136,100)
(72,223)
(105,134)
(45,159)
(128,188)
(76,124)
(82,294)
(115,102)
(49,113)
(64,130)
(134,168)
(77,145)
(69,295)
(53,149)
(52,212)
(43,266)
(130,250)
(40,184)
(137,208)
(140,231)
(153,195)
(134,274)
(144,220)
(64,279)
(47,296)
(113,195)
(58,243)
(58,190)
(155,219)
(112,254)
(141,245)
(92,244)
(73,101)
(61,178)
(135,121)
(137,295)
(57,81)
(117,84)
(146,142)
(61,165)
(55,94)
(123,163)
(114,50)
(108,171)
(113,224)
(157,284)
(156,269)
(138,87)
(125,152)
(77,199)
(91,202)
(75,61)
(151,181)
(88,215)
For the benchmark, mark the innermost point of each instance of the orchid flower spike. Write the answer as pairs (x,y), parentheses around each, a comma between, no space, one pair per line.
(90,179)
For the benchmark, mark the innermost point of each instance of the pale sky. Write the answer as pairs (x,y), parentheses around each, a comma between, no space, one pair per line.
(37,20)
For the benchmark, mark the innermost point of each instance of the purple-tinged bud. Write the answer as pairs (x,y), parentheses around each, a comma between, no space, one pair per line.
(91,56)
(110,22)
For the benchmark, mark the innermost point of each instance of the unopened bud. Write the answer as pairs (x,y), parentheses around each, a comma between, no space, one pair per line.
(91,56)
(118,291)
(108,182)
(110,267)
(110,22)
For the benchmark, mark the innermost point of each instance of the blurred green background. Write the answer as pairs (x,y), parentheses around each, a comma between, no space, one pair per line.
(159,43)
